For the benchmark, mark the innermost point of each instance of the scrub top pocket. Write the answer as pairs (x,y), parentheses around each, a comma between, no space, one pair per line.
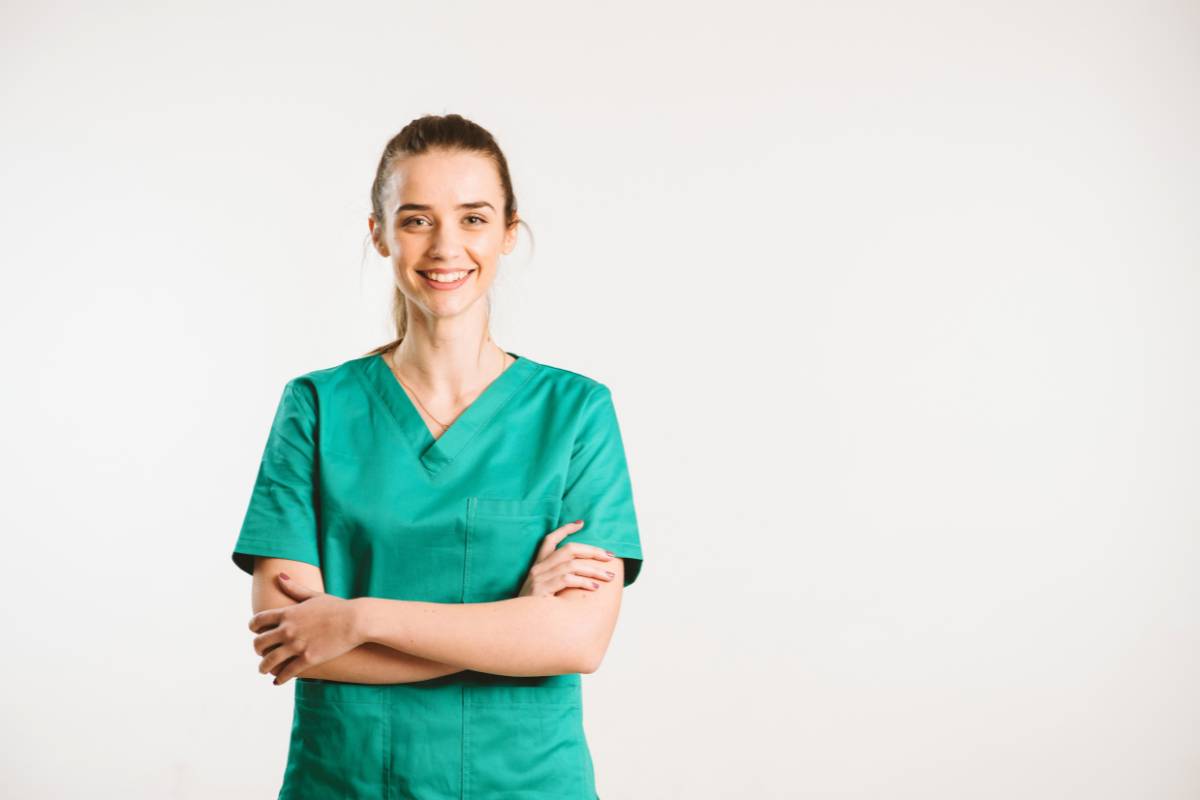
(337,745)
(527,742)
(503,536)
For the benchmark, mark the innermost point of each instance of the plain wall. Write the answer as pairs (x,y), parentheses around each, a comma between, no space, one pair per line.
(898,305)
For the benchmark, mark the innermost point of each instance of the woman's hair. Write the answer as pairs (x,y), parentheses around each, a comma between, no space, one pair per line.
(450,132)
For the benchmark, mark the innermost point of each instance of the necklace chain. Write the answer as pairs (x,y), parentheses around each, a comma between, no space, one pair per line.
(417,397)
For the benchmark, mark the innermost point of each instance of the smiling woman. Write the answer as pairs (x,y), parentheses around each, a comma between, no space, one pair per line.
(442,204)
(456,520)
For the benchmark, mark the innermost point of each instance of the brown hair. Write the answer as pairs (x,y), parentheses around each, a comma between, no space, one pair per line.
(431,132)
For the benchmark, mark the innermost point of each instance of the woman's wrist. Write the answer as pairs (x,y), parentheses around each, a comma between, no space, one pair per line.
(361,619)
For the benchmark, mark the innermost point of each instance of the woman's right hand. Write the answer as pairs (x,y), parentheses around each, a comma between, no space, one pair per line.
(572,566)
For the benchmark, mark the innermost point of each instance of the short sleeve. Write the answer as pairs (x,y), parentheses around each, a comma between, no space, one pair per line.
(598,489)
(281,521)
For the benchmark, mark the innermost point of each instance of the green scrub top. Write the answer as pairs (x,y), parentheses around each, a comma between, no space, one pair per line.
(352,481)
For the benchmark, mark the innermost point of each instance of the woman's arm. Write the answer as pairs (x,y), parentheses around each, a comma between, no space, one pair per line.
(521,636)
(375,663)
(367,663)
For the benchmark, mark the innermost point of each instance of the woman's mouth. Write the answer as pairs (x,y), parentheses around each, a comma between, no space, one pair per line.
(445,280)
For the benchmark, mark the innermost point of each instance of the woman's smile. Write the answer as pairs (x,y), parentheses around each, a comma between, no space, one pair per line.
(445,280)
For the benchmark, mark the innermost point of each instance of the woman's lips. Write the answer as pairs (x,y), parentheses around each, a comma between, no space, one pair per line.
(442,285)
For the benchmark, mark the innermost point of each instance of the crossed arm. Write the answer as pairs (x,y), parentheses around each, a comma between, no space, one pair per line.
(411,641)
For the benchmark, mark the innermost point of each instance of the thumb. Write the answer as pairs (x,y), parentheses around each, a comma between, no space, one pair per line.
(295,589)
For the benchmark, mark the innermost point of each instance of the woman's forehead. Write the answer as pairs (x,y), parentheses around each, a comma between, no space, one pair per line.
(441,179)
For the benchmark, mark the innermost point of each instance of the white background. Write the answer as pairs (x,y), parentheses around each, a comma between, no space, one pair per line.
(898,305)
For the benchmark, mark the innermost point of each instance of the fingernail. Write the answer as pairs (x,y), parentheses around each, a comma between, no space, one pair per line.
(595,585)
(578,522)
(610,553)
(284,576)
(610,574)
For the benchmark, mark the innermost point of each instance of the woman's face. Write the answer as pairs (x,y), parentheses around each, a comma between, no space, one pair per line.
(443,216)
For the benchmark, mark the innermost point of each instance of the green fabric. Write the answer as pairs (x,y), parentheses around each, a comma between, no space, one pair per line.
(352,481)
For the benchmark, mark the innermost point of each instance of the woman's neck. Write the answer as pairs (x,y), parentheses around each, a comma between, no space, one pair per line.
(449,370)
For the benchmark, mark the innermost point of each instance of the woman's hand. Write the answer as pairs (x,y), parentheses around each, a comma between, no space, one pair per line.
(293,638)
(571,566)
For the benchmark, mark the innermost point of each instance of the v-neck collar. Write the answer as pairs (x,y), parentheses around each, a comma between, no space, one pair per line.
(434,454)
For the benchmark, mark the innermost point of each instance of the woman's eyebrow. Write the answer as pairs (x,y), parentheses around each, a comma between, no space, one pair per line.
(423,207)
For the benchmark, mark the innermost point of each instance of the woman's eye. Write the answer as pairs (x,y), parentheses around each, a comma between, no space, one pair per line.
(413,220)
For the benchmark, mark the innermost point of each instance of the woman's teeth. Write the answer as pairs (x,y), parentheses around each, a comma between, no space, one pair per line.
(445,277)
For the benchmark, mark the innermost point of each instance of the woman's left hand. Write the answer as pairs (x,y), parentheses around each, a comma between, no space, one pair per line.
(293,638)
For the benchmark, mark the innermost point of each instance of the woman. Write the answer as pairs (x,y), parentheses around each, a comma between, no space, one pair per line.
(440,530)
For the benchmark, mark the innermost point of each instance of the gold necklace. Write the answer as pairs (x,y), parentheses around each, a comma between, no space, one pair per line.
(396,371)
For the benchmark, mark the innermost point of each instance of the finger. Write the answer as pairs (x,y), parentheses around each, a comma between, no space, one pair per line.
(273,660)
(589,568)
(551,539)
(297,664)
(580,550)
(572,581)
(568,570)
(293,588)
(549,580)
(573,550)
(265,641)
(267,618)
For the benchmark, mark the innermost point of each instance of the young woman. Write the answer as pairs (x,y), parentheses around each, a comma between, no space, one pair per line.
(440,530)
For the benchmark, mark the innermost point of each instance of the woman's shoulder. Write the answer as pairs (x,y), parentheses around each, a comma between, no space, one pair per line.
(571,380)
(332,378)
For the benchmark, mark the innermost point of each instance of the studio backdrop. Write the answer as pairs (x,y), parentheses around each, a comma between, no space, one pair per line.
(896,305)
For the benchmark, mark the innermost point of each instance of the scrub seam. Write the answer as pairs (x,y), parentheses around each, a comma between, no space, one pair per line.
(385,732)
(582,766)
(466,733)
(470,528)
(585,754)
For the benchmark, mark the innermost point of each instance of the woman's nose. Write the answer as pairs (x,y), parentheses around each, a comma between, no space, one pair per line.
(444,242)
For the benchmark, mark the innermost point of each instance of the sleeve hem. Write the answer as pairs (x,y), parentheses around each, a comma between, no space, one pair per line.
(244,554)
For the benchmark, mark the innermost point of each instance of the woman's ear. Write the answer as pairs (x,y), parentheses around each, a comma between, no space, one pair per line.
(376,239)
(510,236)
